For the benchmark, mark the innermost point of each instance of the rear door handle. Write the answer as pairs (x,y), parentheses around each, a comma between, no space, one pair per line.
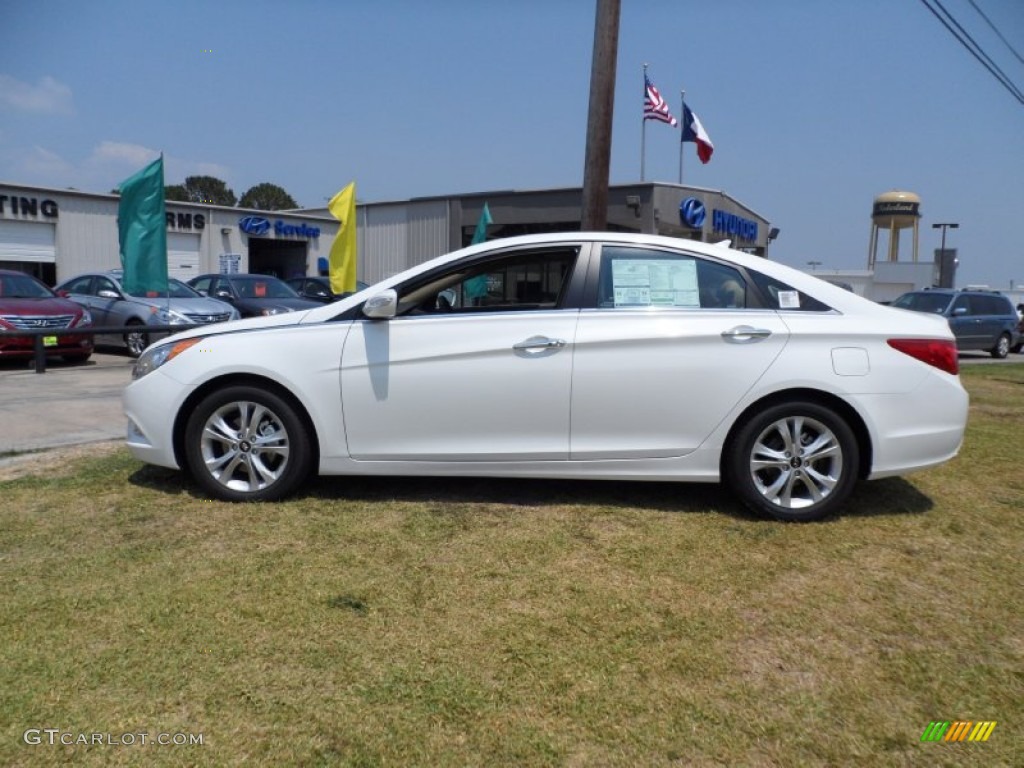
(745,334)
(539,342)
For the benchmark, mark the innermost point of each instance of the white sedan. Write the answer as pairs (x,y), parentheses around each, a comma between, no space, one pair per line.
(578,355)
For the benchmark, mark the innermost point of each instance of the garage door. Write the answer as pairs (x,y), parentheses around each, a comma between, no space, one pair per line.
(182,255)
(27,241)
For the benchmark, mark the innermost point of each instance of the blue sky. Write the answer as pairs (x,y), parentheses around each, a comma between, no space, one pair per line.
(814,106)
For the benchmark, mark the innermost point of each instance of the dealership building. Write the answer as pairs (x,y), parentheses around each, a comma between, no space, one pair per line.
(56,234)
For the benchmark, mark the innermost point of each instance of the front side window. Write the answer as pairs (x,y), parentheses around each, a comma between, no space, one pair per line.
(637,277)
(516,282)
(963,303)
(103,284)
(923,302)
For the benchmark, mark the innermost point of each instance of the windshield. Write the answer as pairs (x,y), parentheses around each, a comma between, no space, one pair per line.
(23,287)
(177,290)
(923,302)
(262,287)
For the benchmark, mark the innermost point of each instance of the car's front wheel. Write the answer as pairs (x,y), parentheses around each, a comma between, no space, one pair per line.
(795,461)
(1002,347)
(247,444)
(136,339)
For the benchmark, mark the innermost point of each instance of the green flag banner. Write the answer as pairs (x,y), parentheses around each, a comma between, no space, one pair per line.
(142,231)
(480,235)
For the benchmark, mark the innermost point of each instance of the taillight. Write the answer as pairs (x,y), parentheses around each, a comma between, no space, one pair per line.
(938,352)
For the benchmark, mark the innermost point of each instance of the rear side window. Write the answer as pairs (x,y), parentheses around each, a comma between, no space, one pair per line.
(779,295)
(637,277)
(994,305)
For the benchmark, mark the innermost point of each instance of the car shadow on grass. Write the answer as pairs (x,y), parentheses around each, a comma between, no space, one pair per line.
(891,496)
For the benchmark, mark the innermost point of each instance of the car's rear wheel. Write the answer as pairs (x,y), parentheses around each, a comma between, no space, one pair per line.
(247,444)
(136,339)
(1002,347)
(795,461)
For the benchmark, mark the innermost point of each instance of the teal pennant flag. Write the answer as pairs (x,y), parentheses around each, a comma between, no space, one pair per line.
(481,226)
(476,287)
(142,231)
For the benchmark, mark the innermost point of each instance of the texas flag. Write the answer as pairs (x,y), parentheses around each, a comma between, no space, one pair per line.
(694,131)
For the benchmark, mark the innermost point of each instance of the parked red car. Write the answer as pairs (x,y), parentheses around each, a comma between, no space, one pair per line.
(26,304)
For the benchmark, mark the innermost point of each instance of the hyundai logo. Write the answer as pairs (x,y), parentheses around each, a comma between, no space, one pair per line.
(692,212)
(254,225)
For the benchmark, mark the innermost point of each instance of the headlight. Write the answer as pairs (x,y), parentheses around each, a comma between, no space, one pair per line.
(85,319)
(156,356)
(275,310)
(170,317)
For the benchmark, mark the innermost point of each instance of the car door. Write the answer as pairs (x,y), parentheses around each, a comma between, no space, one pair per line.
(476,366)
(112,304)
(668,349)
(80,291)
(965,322)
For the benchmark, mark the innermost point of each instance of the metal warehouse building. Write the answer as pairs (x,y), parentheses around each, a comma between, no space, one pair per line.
(56,233)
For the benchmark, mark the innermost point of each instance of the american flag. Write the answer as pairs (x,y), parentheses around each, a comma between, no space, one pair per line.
(655,107)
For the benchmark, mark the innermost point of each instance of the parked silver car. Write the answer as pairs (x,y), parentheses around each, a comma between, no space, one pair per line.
(111,305)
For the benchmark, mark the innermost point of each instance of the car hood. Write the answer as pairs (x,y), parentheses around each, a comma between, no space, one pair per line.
(47,306)
(248,324)
(203,305)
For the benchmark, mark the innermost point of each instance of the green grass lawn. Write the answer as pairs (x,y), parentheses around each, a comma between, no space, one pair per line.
(401,622)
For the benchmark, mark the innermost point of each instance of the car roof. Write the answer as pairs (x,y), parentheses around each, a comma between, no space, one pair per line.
(837,298)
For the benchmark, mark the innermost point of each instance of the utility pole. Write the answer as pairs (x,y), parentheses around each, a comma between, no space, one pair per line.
(599,117)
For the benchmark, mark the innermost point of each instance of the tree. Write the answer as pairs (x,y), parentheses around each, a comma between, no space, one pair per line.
(267,197)
(201,189)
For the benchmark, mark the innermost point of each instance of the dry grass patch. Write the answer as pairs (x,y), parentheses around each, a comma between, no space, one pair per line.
(472,622)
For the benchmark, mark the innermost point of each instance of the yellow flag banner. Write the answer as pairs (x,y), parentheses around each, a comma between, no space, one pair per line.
(343,257)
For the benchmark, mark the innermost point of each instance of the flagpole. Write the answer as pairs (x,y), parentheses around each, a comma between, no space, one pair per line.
(643,128)
(682,132)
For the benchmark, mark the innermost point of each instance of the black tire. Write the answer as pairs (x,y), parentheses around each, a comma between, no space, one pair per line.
(136,340)
(772,473)
(1002,347)
(76,359)
(243,443)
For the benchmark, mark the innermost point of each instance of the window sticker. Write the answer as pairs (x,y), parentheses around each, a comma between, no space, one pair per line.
(789,300)
(654,282)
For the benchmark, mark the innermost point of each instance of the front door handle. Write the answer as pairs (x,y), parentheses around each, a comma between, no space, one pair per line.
(539,342)
(745,334)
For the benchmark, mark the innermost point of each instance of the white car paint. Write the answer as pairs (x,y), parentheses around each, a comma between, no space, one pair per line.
(575,391)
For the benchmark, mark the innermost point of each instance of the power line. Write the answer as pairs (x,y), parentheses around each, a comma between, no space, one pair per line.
(994,29)
(975,50)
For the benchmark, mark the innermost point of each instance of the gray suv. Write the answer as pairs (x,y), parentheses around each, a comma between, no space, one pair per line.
(983,320)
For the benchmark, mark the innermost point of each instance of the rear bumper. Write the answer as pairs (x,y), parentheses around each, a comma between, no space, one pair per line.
(907,439)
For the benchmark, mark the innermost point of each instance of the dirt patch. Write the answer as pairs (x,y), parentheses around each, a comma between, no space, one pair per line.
(54,461)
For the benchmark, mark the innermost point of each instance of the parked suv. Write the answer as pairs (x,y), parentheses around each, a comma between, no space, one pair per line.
(979,319)
(110,305)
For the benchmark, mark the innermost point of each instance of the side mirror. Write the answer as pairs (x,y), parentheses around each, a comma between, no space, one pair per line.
(383,306)
(106,293)
(223,294)
(959,311)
